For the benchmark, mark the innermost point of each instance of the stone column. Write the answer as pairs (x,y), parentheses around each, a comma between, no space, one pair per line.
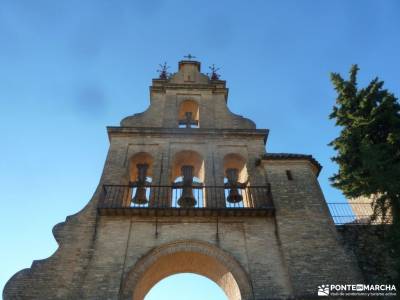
(215,197)
(161,194)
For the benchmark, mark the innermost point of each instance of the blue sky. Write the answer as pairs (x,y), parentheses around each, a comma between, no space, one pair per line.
(181,285)
(70,68)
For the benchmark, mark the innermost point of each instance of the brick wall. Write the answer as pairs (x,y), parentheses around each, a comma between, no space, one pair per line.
(310,245)
(374,255)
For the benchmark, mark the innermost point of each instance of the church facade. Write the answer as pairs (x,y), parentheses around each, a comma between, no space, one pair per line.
(187,186)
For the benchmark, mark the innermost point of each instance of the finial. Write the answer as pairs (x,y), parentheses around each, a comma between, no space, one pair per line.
(214,75)
(189,56)
(163,71)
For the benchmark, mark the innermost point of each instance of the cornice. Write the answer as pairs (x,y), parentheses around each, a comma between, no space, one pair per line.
(293,156)
(114,131)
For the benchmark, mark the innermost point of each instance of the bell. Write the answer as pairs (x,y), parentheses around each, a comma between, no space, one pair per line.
(233,195)
(187,199)
(140,195)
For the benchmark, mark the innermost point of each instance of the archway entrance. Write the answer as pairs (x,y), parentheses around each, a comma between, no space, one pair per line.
(185,286)
(187,257)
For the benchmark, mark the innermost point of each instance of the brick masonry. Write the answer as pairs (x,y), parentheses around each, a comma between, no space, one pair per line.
(373,253)
(285,256)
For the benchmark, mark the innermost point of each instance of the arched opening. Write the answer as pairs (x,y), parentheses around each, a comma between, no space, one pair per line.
(140,178)
(187,177)
(188,115)
(235,180)
(185,286)
(190,195)
(187,257)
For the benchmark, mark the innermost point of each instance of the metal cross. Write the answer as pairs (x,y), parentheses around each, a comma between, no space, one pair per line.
(189,56)
(188,121)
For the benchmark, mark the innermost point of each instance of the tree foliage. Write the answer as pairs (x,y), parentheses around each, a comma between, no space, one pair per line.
(368,150)
(368,147)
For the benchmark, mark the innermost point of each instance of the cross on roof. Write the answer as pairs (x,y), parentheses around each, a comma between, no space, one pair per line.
(188,121)
(189,56)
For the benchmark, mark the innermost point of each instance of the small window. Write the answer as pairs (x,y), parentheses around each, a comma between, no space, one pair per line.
(289,175)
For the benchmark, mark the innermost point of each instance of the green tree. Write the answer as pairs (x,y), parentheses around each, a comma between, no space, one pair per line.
(368,147)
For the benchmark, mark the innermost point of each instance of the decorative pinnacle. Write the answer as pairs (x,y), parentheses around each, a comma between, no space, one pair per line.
(189,56)
(214,75)
(163,71)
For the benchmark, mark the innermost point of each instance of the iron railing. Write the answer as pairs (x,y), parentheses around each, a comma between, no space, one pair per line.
(122,197)
(354,213)
(168,196)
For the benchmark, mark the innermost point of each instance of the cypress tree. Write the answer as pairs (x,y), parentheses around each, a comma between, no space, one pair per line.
(368,148)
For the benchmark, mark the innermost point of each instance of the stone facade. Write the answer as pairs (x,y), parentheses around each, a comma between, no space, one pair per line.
(283,254)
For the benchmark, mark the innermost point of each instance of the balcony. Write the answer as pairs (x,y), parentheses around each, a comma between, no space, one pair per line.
(178,200)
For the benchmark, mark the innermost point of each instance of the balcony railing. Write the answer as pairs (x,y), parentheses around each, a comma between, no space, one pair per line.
(354,213)
(175,199)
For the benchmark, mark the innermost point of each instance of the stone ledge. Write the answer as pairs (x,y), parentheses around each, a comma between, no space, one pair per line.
(195,212)
(123,131)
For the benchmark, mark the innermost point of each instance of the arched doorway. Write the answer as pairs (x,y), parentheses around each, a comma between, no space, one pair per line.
(187,257)
(185,286)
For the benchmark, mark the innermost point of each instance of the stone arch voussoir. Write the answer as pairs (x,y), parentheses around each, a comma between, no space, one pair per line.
(194,257)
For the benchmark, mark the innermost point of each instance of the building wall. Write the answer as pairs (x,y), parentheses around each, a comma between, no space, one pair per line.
(286,255)
(60,275)
(373,252)
(363,209)
(163,148)
(310,244)
(121,242)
